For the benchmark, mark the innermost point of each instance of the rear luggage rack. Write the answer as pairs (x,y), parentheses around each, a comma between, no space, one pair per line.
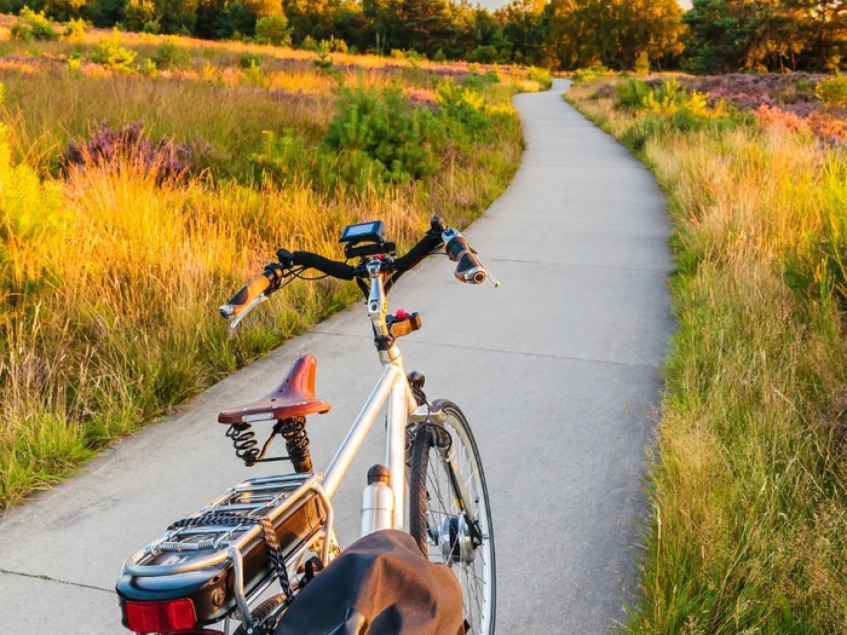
(219,556)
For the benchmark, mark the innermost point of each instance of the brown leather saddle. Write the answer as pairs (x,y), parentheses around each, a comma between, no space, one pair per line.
(294,397)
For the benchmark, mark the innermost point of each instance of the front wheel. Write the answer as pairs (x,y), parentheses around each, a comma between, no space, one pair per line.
(449,515)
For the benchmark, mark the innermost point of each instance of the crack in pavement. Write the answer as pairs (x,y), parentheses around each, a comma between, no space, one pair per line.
(46,578)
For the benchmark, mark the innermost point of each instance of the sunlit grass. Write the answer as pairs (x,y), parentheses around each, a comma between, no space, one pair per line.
(748,487)
(110,314)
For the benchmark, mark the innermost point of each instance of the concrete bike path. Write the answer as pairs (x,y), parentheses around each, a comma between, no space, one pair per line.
(556,370)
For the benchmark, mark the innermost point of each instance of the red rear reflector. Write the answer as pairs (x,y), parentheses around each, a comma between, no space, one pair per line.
(150,617)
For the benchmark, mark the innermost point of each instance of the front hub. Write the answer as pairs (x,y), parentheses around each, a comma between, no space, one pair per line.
(456,542)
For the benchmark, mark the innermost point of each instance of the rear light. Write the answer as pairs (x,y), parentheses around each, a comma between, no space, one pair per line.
(154,617)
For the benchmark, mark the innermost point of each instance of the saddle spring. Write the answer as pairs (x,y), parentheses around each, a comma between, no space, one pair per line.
(293,430)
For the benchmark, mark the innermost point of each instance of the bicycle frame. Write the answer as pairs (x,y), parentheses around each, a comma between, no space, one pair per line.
(391,387)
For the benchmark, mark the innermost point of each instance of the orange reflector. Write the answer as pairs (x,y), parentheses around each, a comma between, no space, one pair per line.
(151,617)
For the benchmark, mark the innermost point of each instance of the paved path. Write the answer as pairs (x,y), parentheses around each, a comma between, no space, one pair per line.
(557,371)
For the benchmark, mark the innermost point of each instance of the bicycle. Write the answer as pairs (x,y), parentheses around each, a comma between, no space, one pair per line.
(214,567)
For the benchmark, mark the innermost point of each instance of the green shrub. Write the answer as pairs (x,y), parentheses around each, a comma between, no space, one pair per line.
(323,61)
(249,60)
(671,97)
(273,29)
(334,45)
(32,26)
(112,55)
(642,63)
(288,159)
(386,129)
(637,136)
(29,210)
(439,56)
(75,30)
(596,71)
(463,107)
(631,94)
(833,91)
(541,75)
(486,54)
(170,55)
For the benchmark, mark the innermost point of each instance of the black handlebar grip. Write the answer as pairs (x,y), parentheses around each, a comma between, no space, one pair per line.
(247,294)
(468,266)
(429,243)
(340,270)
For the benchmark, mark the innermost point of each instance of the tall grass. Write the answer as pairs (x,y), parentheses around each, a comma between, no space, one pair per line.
(748,484)
(108,314)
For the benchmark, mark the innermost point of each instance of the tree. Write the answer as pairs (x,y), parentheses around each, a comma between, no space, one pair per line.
(427,26)
(716,37)
(730,35)
(524,26)
(383,18)
(312,18)
(273,29)
(823,26)
(176,17)
(651,27)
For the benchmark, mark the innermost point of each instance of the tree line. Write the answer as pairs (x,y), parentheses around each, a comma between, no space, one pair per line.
(713,36)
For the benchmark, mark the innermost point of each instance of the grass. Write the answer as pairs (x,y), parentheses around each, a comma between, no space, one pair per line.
(110,274)
(748,483)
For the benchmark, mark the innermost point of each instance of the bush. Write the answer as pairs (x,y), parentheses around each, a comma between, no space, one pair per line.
(75,30)
(589,73)
(249,60)
(642,63)
(169,55)
(29,210)
(33,26)
(486,54)
(463,108)
(384,128)
(672,97)
(334,45)
(112,55)
(642,131)
(631,94)
(273,29)
(109,147)
(541,75)
(833,92)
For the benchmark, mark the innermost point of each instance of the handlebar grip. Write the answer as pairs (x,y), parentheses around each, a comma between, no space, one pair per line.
(247,295)
(468,266)
(340,270)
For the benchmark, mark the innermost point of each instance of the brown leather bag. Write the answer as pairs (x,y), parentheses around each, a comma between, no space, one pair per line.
(380,585)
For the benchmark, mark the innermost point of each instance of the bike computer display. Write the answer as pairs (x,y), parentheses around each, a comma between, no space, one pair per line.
(372,231)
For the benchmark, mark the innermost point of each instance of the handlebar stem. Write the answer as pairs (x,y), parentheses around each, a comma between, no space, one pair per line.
(378,309)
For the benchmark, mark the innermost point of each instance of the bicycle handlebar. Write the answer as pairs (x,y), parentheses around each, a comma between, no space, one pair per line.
(468,268)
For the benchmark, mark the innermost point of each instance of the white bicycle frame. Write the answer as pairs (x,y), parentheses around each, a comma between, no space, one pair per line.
(393,388)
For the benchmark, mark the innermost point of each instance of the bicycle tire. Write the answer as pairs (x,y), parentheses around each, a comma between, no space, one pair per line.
(437,522)
(261,612)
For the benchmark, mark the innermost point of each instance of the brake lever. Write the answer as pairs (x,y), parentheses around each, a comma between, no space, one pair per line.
(493,280)
(256,302)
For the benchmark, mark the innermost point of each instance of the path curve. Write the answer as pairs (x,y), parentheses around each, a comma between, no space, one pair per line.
(557,371)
